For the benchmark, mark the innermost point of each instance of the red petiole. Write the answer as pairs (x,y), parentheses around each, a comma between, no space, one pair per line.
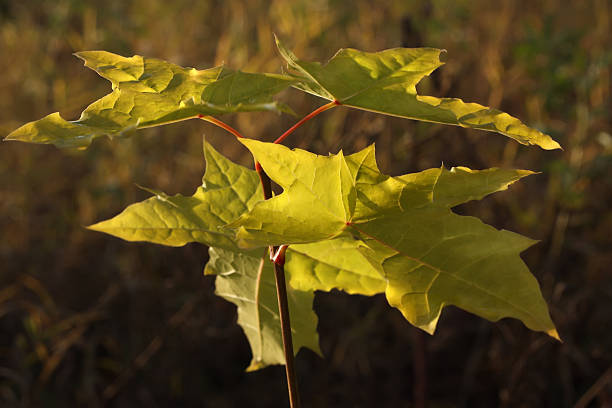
(306,118)
(221,124)
(282,137)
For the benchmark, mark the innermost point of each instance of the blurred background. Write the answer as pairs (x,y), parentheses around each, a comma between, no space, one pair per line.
(89,320)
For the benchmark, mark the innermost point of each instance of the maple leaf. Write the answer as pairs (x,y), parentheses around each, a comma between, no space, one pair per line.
(385,82)
(248,282)
(245,278)
(150,92)
(428,256)
(227,191)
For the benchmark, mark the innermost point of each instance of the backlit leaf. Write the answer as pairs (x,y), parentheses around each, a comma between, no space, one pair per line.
(334,264)
(385,82)
(150,92)
(429,256)
(227,191)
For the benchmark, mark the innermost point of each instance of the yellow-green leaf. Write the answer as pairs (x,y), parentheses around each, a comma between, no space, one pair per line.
(428,256)
(334,264)
(325,208)
(150,92)
(385,82)
(227,191)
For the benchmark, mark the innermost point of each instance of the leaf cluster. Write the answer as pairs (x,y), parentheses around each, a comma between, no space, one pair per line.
(347,225)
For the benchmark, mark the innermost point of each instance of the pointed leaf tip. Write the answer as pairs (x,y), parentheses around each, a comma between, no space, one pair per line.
(554,334)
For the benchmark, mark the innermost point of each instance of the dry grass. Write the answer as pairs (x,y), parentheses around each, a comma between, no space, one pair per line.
(88,320)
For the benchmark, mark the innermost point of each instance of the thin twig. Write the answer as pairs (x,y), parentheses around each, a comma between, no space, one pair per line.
(419,355)
(600,384)
(150,350)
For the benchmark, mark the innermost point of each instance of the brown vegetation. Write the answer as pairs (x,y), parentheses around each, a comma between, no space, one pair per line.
(89,320)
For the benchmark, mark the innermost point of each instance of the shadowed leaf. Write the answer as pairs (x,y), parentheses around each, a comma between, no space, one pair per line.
(248,282)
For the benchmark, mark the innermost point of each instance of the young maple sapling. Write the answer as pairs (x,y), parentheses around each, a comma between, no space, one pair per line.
(339,222)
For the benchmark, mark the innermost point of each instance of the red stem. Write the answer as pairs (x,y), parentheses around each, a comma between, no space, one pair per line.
(221,125)
(306,119)
(236,133)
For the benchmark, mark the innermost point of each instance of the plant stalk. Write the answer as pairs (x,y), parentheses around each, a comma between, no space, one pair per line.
(419,358)
(283,308)
(278,257)
(283,303)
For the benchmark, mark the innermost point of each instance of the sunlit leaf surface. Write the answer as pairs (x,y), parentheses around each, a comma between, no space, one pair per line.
(150,92)
(428,256)
(385,82)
